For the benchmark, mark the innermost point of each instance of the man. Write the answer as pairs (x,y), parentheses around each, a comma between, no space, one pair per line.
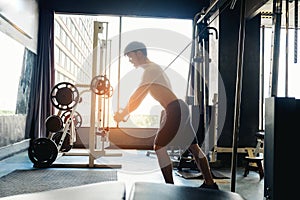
(176,129)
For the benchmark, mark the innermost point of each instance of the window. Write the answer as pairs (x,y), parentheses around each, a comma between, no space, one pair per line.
(293,68)
(12,54)
(165,38)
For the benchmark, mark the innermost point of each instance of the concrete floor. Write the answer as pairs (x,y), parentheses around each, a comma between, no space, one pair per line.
(137,166)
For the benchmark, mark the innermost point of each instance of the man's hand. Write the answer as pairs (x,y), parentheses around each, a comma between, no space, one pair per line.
(121,116)
(118,117)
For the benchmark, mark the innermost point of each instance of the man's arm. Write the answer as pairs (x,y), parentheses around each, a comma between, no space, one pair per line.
(134,101)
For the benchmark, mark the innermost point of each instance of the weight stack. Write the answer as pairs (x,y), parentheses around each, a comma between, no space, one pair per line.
(280,154)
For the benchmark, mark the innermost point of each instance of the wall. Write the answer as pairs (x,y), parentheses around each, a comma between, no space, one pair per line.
(19,20)
(228,52)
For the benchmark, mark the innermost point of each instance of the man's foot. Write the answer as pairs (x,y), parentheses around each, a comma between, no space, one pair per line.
(213,186)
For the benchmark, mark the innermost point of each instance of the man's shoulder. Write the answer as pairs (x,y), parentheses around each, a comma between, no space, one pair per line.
(153,67)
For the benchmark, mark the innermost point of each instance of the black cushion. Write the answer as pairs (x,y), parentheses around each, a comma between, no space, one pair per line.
(161,191)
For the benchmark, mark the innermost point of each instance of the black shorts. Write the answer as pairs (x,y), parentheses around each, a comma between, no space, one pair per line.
(176,129)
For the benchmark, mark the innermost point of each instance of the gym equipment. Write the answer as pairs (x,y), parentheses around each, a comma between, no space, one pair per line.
(64,96)
(145,191)
(65,138)
(67,142)
(296,31)
(200,79)
(42,152)
(238,94)
(187,162)
(254,159)
(77,119)
(100,85)
(286,47)
(101,89)
(140,190)
(282,125)
(54,123)
(277,11)
(254,164)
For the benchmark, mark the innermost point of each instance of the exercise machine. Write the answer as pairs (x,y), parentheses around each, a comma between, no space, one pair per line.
(63,126)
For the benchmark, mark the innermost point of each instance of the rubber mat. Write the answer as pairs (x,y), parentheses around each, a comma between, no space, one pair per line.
(192,174)
(37,180)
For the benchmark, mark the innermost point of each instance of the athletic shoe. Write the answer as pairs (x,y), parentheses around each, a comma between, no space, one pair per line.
(213,186)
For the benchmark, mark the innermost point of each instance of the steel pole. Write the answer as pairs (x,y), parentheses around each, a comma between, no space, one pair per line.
(238,94)
(277,9)
(286,48)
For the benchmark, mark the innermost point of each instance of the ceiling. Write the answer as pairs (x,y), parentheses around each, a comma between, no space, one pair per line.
(142,8)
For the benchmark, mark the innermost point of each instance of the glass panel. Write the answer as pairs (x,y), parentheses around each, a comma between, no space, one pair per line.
(14,89)
(293,68)
(165,39)
(294,71)
(73,62)
(12,54)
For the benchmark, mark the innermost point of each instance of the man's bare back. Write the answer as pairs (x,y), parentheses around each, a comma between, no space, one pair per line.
(162,94)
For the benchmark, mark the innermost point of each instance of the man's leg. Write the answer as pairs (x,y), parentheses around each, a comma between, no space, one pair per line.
(165,163)
(202,164)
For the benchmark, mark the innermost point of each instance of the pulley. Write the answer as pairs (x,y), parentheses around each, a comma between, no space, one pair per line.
(100,85)
(77,119)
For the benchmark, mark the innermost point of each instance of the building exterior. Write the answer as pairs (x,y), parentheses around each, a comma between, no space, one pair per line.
(73,48)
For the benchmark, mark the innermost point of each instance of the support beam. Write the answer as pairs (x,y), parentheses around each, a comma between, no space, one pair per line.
(238,94)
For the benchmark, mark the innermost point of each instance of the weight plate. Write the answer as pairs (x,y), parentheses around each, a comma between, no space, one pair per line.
(77,119)
(66,146)
(54,123)
(42,152)
(64,96)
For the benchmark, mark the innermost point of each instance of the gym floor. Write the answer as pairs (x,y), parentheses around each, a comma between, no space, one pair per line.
(136,165)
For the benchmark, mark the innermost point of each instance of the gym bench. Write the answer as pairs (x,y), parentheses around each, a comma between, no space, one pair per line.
(150,191)
(115,190)
(254,160)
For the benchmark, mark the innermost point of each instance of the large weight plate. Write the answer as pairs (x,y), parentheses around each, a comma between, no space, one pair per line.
(64,96)
(42,152)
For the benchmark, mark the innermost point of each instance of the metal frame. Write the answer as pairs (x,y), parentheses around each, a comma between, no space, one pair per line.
(93,152)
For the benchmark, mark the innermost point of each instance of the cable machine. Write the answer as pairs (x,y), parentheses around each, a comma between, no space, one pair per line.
(43,152)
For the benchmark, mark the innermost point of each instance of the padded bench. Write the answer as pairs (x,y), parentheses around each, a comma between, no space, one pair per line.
(111,190)
(150,191)
(114,190)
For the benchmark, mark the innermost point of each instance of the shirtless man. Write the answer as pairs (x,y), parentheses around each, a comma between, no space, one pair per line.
(176,128)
